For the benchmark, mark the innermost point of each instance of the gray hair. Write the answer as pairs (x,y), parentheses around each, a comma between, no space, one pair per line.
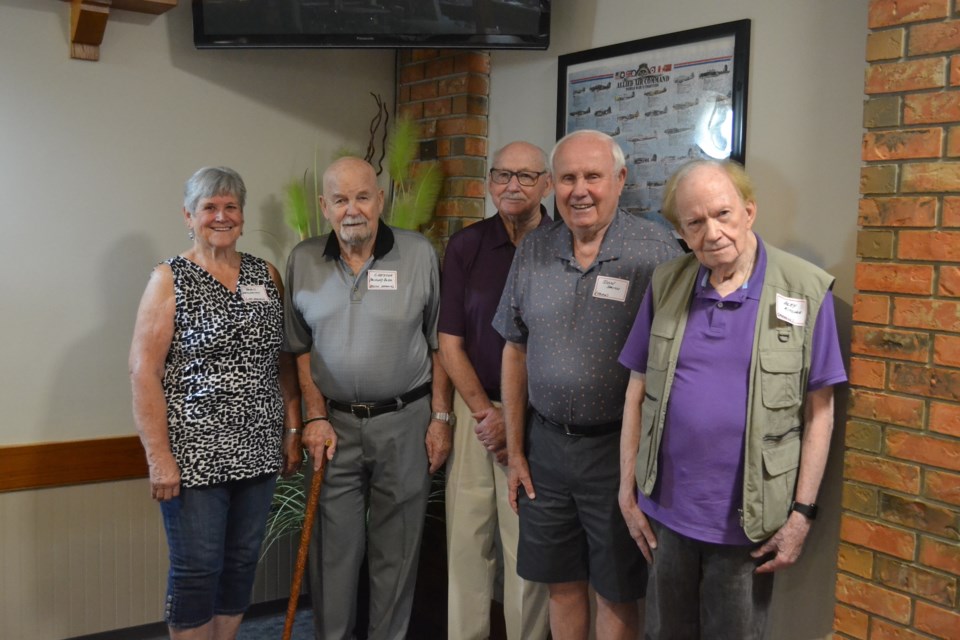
(213,181)
(619,160)
(734,170)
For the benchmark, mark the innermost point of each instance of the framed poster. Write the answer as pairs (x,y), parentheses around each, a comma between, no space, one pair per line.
(665,100)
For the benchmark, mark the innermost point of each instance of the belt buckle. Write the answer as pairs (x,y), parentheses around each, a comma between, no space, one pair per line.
(566,430)
(361,410)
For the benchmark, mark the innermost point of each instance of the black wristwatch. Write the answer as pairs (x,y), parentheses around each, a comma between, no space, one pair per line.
(809,510)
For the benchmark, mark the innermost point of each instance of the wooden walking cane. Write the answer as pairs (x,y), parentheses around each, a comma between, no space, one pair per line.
(308,518)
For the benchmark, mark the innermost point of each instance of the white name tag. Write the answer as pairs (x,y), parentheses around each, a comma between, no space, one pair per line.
(381,280)
(792,310)
(254,293)
(611,288)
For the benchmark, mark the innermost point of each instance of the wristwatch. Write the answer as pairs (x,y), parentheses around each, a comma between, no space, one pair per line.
(449,418)
(809,510)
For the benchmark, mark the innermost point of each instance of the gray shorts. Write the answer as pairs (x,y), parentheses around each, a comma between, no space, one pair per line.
(574,530)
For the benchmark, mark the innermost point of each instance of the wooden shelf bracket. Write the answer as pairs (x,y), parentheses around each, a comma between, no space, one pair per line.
(88,21)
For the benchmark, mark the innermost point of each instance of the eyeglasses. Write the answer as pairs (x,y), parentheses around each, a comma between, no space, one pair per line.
(525,178)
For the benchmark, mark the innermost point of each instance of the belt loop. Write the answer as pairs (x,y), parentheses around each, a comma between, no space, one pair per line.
(399,402)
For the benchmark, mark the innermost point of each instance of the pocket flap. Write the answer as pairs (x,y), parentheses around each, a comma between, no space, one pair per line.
(782,458)
(781,361)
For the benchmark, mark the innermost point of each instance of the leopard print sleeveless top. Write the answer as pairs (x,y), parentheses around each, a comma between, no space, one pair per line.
(224,409)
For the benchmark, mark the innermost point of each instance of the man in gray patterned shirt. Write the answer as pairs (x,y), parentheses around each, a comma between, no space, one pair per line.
(568,305)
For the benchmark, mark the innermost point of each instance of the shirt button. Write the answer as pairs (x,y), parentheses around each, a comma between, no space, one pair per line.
(720,305)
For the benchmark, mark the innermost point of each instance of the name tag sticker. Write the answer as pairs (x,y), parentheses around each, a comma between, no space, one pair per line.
(381,280)
(254,293)
(611,288)
(792,310)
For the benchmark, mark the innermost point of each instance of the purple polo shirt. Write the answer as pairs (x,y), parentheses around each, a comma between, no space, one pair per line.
(475,268)
(699,486)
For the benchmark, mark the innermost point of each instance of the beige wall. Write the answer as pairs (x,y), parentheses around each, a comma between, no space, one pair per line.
(803,150)
(93,157)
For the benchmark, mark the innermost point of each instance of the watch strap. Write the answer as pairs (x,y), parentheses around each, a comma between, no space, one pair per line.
(809,510)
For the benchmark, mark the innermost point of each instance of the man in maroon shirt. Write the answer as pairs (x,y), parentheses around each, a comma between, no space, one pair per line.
(475,269)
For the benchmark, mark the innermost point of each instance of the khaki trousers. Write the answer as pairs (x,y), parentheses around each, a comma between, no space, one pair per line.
(478,512)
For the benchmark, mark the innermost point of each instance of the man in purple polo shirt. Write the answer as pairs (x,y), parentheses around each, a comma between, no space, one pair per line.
(728,413)
(475,268)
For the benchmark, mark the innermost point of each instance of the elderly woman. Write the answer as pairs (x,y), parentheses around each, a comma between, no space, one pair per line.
(217,407)
(728,412)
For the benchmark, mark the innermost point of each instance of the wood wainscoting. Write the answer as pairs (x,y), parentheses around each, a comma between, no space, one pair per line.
(60,464)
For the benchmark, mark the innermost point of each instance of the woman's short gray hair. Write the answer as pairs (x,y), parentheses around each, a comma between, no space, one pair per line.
(213,181)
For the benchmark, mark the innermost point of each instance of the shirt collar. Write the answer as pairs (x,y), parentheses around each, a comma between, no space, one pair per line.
(611,247)
(382,243)
(498,236)
(750,289)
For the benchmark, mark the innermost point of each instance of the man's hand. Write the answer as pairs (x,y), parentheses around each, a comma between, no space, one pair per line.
(317,436)
(492,432)
(785,545)
(518,475)
(637,523)
(438,441)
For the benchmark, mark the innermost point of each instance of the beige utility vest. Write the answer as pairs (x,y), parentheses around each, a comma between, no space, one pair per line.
(779,368)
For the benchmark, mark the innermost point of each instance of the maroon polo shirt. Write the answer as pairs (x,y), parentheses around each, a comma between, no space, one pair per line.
(475,269)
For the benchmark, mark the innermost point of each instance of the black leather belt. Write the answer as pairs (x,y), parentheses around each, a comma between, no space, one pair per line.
(579,431)
(371,409)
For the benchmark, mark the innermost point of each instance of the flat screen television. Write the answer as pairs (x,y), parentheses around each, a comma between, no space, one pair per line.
(466,24)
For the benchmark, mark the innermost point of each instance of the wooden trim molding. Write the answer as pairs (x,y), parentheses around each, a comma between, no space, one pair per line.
(59,464)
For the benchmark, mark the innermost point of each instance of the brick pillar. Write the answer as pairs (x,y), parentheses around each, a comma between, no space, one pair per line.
(447,92)
(899,556)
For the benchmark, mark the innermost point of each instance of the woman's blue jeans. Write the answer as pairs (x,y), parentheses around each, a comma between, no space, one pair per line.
(214,534)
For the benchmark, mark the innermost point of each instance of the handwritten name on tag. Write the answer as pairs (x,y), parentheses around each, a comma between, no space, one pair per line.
(381,280)
(792,310)
(609,288)
(254,293)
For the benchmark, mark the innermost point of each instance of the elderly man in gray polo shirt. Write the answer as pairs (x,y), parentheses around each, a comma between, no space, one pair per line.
(568,305)
(362,306)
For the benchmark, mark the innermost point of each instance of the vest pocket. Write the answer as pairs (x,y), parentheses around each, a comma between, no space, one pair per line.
(655,381)
(779,480)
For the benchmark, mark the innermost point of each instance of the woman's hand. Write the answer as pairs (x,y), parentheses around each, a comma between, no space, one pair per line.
(164,478)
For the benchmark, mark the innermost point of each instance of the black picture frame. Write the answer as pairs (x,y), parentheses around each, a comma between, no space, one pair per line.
(664,99)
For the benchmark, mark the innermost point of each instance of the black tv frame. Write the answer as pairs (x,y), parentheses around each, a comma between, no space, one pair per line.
(205,40)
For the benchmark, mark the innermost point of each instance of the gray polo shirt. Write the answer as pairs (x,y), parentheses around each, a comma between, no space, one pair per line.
(369,334)
(574,321)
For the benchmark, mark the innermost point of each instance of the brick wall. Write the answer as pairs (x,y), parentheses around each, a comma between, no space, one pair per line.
(899,556)
(447,92)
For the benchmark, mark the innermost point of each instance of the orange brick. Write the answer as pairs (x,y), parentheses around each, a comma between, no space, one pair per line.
(945,418)
(901,145)
(883,407)
(955,71)
(460,125)
(946,350)
(935,451)
(884,13)
(940,555)
(940,622)
(434,108)
(920,582)
(460,207)
(898,212)
(438,67)
(919,515)
(881,472)
(918,313)
(894,278)
(423,90)
(923,380)
(478,85)
(464,188)
(951,211)
(879,537)
(942,486)
(856,560)
(428,129)
(453,85)
(868,373)
(935,37)
(881,342)
(854,623)
(865,436)
(423,54)
(913,75)
(953,142)
(943,246)
(871,308)
(883,630)
(411,73)
(931,108)
(411,110)
(869,597)
(472,61)
(949,282)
